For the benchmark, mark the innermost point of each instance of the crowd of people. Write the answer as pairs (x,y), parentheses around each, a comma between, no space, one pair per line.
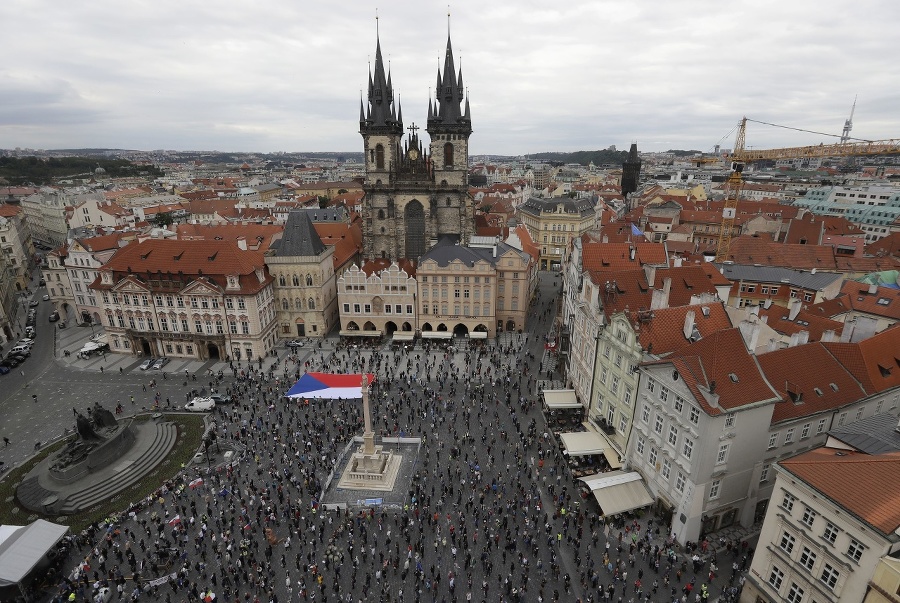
(492,513)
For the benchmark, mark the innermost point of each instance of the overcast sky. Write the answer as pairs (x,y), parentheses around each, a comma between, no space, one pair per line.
(286,75)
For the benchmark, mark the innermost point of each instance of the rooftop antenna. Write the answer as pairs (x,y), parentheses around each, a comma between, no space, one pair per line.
(848,125)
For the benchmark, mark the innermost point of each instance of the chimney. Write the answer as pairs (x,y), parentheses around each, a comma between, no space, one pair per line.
(873,288)
(242,243)
(795,340)
(650,273)
(631,252)
(794,309)
(768,303)
(750,333)
(802,337)
(689,324)
(847,333)
(605,239)
(676,261)
(773,345)
(754,311)
(828,336)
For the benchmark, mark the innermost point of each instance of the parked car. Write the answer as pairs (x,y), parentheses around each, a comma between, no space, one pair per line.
(294,343)
(220,398)
(34,303)
(200,405)
(54,316)
(26,341)
(147,363)
(42,283)
(46,297)
(3,369)
(160,362)
(29,331)
(22,350)
(9,363)
(20,358)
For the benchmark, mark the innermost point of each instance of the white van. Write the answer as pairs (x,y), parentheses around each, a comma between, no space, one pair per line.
(22,350)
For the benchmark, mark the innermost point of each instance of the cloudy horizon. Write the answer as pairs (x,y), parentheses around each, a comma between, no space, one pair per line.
(583,76)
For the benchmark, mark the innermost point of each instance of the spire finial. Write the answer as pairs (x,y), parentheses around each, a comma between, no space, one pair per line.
(377,33)
(448,20)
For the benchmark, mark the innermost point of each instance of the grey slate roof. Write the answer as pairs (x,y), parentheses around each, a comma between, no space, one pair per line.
(300,237)
(443,254)
(327,214)
(583,207)
(873,435)
(772,274)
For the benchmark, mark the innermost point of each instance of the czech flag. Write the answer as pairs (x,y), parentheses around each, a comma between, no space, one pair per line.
(326,386)
(196,483)
(175,520)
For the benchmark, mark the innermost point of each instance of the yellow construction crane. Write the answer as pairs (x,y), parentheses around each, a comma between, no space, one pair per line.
(741,156)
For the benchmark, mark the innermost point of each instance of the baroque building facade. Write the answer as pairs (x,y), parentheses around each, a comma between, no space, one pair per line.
(415,194)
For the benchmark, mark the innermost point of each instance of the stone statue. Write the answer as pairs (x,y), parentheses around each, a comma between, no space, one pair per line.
(102,417)
(85,428)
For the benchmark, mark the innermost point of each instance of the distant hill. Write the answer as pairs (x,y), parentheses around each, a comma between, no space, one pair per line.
(38,171)
(603,157)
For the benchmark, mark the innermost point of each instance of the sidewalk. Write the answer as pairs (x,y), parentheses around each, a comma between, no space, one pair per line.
(74,337)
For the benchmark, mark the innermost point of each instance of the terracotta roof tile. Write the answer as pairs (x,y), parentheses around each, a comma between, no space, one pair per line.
(721,358)
(232,232)
(664,332)
(755,250)
(617,256)
(874,362)
(865,485)
(809,380)
(778,318)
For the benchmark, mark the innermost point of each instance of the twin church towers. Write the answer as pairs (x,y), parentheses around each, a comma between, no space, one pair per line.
(415,193)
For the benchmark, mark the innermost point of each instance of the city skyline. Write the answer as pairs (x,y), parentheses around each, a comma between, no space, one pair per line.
(580,77)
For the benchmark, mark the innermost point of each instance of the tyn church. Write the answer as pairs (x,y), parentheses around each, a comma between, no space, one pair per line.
(415,195)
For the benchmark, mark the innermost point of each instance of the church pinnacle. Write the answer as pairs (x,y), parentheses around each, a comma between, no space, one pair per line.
(381,113)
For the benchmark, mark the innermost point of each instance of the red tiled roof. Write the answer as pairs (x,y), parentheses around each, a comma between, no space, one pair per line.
(346,238)
(754,250)
(889,245)
(8,211)
(865,485)
(379,264)
(874,362)
(664,332)
(213,260)
(809,380)
(617,256)
(102,243)
(722,358)
(777,317)
(857,296)
(232,232)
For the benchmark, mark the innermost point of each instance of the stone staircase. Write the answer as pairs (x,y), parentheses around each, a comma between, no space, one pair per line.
(31,493)
(130,469)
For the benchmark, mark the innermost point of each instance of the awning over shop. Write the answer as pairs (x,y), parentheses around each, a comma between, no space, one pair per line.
(618,491)
(612,457)
(403,336)
(560,398)
(582,443)
(24,547)
(437,334)
(478,335)
(356,333)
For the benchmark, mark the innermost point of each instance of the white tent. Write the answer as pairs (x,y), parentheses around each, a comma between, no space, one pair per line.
(23,547)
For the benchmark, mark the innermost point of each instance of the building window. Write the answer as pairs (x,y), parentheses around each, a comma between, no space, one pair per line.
(855,550)
(729,420)
(367,308)
(652,456)
(664,394)
(773,441)
(184,325)
(242,304)
(679,482)
(198,326)
(346,308)
(764,473)
(232,328)
(687,448)
(714,487)
(809,516)
(776,578)
(787,543)
(820,427)
(807,558)
(804,433)
(163,323)
(627,397)
(651,384)
(640,446)
(245,328)
(679,404)
(789,436)
(795,594)
(357,308)
(831,532)
(615,385)
(829,576)
(658,427)
(787,503)
(695,415)
(673,436)
(220,328)
(666,469)
(722,455)
(645,413)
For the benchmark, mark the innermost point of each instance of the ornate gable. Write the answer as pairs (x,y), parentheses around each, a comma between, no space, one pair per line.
(201,286)
(129,284)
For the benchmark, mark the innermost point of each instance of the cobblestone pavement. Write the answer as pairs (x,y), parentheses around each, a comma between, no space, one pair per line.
(484,520)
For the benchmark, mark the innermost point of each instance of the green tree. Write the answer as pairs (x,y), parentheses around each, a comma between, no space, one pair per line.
(164,219)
